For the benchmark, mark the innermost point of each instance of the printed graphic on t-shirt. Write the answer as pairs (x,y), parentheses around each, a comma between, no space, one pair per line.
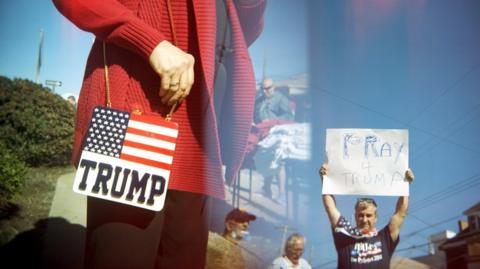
(366,252)
(344,227)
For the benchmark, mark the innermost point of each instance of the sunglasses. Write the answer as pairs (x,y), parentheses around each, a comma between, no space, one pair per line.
(267,88)
(367,200)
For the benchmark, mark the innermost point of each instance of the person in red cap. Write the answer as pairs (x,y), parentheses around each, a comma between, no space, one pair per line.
(225,251)
(237,222)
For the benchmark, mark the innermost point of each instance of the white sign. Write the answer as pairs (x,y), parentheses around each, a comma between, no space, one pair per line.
(366,162)
(121,181)
(127,158)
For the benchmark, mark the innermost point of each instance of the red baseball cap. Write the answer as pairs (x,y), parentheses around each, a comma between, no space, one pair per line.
(240,215)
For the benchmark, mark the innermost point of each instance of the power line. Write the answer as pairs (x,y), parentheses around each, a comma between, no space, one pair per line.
(467,180)
(446,193)
(417,233)
(461,117)
(443,198)
(441,195)
(419,219)
(395,119)
(449,88)
(407,240)
(427,224)
(452,123)
(412,247)
(431,226)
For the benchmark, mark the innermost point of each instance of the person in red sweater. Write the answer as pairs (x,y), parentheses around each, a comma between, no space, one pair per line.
(161,52)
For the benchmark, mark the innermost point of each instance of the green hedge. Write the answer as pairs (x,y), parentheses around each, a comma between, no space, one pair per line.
(12,172)
(35,124)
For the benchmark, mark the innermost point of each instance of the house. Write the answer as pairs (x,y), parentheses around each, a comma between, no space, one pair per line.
(463,250)
(436,259)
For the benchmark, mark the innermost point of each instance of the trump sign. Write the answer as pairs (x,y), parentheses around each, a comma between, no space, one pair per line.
(126,158)
(367,162)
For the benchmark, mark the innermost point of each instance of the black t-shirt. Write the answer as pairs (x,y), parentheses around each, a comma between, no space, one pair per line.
(356,250)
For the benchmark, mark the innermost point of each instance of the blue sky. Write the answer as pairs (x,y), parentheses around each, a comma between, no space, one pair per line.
(66,48)
(403,64)
(378,64)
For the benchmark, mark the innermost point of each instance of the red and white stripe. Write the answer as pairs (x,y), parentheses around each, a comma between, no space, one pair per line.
(150,141)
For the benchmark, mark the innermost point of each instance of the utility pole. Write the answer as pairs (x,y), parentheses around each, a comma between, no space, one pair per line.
(285,230)
(264,74)
(39,59)
(310,255)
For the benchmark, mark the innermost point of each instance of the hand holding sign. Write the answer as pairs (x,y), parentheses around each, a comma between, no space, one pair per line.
(367,162)
(409,175)
(323,170)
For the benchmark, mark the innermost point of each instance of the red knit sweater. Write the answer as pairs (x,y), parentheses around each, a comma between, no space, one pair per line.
(132,29)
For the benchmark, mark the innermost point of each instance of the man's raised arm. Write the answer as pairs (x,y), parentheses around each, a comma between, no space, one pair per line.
(400,211)
(329,201)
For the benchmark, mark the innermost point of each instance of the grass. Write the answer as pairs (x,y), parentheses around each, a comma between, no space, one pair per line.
(32,203)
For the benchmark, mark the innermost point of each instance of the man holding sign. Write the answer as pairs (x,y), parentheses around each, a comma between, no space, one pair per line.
(372,150)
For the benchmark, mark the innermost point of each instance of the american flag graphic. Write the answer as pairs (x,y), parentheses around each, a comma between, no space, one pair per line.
(344,226)
(127,158)
(141,139)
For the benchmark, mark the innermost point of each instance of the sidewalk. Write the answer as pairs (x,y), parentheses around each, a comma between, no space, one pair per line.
(67,204)
(64,241)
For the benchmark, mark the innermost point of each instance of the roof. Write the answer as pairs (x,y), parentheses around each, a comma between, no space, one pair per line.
(472,210)
(406,263)
(436,261)
(463,238)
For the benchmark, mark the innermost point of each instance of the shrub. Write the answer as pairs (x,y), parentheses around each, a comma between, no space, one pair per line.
(12,172)
(35,124)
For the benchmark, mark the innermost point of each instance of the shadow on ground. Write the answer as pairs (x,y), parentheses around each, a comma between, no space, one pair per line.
(52,243)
